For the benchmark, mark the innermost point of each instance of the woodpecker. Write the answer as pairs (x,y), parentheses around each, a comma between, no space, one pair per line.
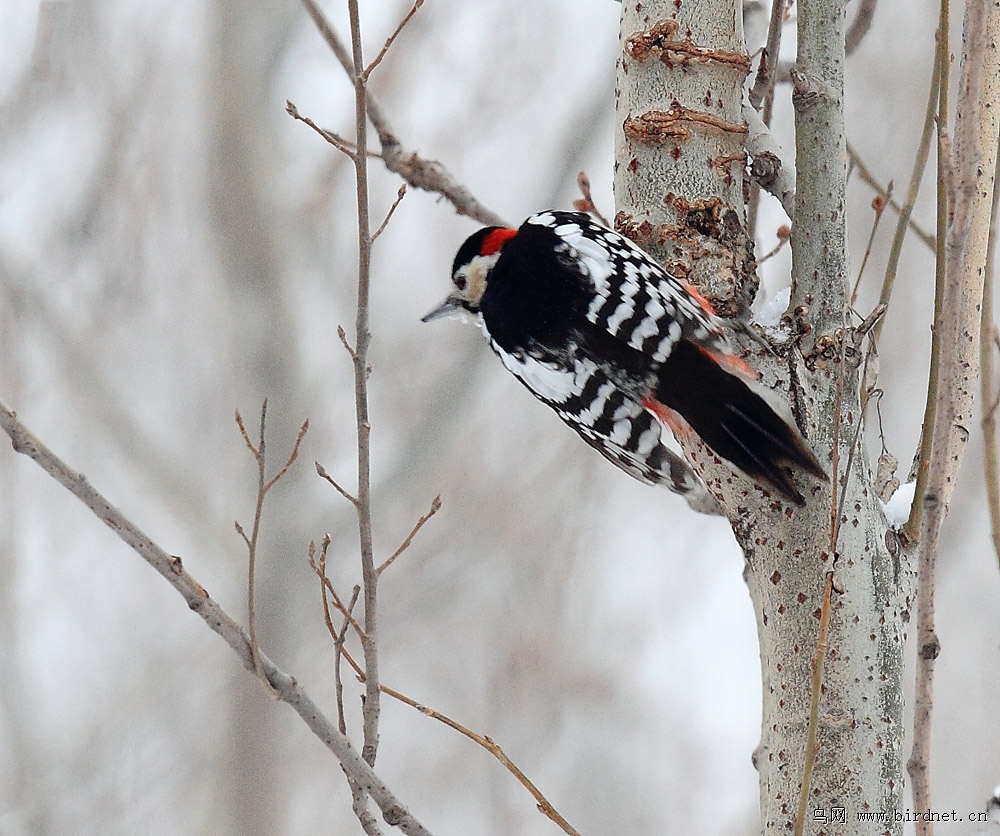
(618,347)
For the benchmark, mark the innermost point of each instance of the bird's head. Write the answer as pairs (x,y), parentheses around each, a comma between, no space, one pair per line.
(470,273)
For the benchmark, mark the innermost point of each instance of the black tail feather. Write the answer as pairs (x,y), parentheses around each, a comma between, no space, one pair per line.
(736,421)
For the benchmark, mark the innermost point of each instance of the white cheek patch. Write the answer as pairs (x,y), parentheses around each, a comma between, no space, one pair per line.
(479,268)
(473,276)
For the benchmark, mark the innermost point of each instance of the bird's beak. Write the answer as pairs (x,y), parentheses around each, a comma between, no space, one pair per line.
(448,306)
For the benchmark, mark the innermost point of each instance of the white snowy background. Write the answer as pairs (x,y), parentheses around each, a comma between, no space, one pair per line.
(173,247)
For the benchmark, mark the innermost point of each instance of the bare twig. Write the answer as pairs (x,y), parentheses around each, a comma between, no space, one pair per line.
(324,475)
(869,179)
(369,576)
(251,542)
(586,203)
(359,804)
(817,690)
(243,431)
(987,391)
(912,528)
(783,233)
(197,598)
(761,98)
(334,597)
(419,172)
(385,47)
(770,169)
(859,26)
(359,799)
(916,176)
(320,569)
(435,507)
(334,139)
(341,652)
(291,458)
(389,214)
(263,487)
(878,204)
(544,805)
(921,524)
(343,340)
(965,220)
(763,84)
(338,650)
(252,546)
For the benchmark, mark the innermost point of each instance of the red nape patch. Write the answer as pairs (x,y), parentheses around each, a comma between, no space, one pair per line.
(495,240)
(706,306)
(678,426)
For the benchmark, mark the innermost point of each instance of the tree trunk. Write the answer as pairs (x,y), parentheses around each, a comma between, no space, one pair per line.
(679,191)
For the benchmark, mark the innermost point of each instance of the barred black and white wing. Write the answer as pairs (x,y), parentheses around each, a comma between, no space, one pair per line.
(632,297)
(620,428)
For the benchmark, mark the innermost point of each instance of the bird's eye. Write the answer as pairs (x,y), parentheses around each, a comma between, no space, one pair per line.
(460,282)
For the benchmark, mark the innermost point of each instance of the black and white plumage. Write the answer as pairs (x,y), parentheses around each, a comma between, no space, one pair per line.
(597,330)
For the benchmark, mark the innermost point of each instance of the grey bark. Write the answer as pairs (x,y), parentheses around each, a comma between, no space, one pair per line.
(788,551)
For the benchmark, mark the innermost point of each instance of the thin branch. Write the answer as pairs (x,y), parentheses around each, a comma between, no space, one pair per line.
(817,689)
(359,798)
(369,577)
(334,597)
(359,804)
(783,233)
(836,503)
(338,652)
(419,172)
(920,523)
(435,507)
(324,475)
(385,48)
(388,216)
(490,745)
(763,84)
(770,168)
(258,454)
(291,459)
(197,598)
(916,177)
(972,159)
(878,204)
(911,529)
(324,582)
(343,340)
(586,204)
(987,391)
(334,139)
(246,436)
(860,26)
(869,179)
(762,98)
(341,652)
